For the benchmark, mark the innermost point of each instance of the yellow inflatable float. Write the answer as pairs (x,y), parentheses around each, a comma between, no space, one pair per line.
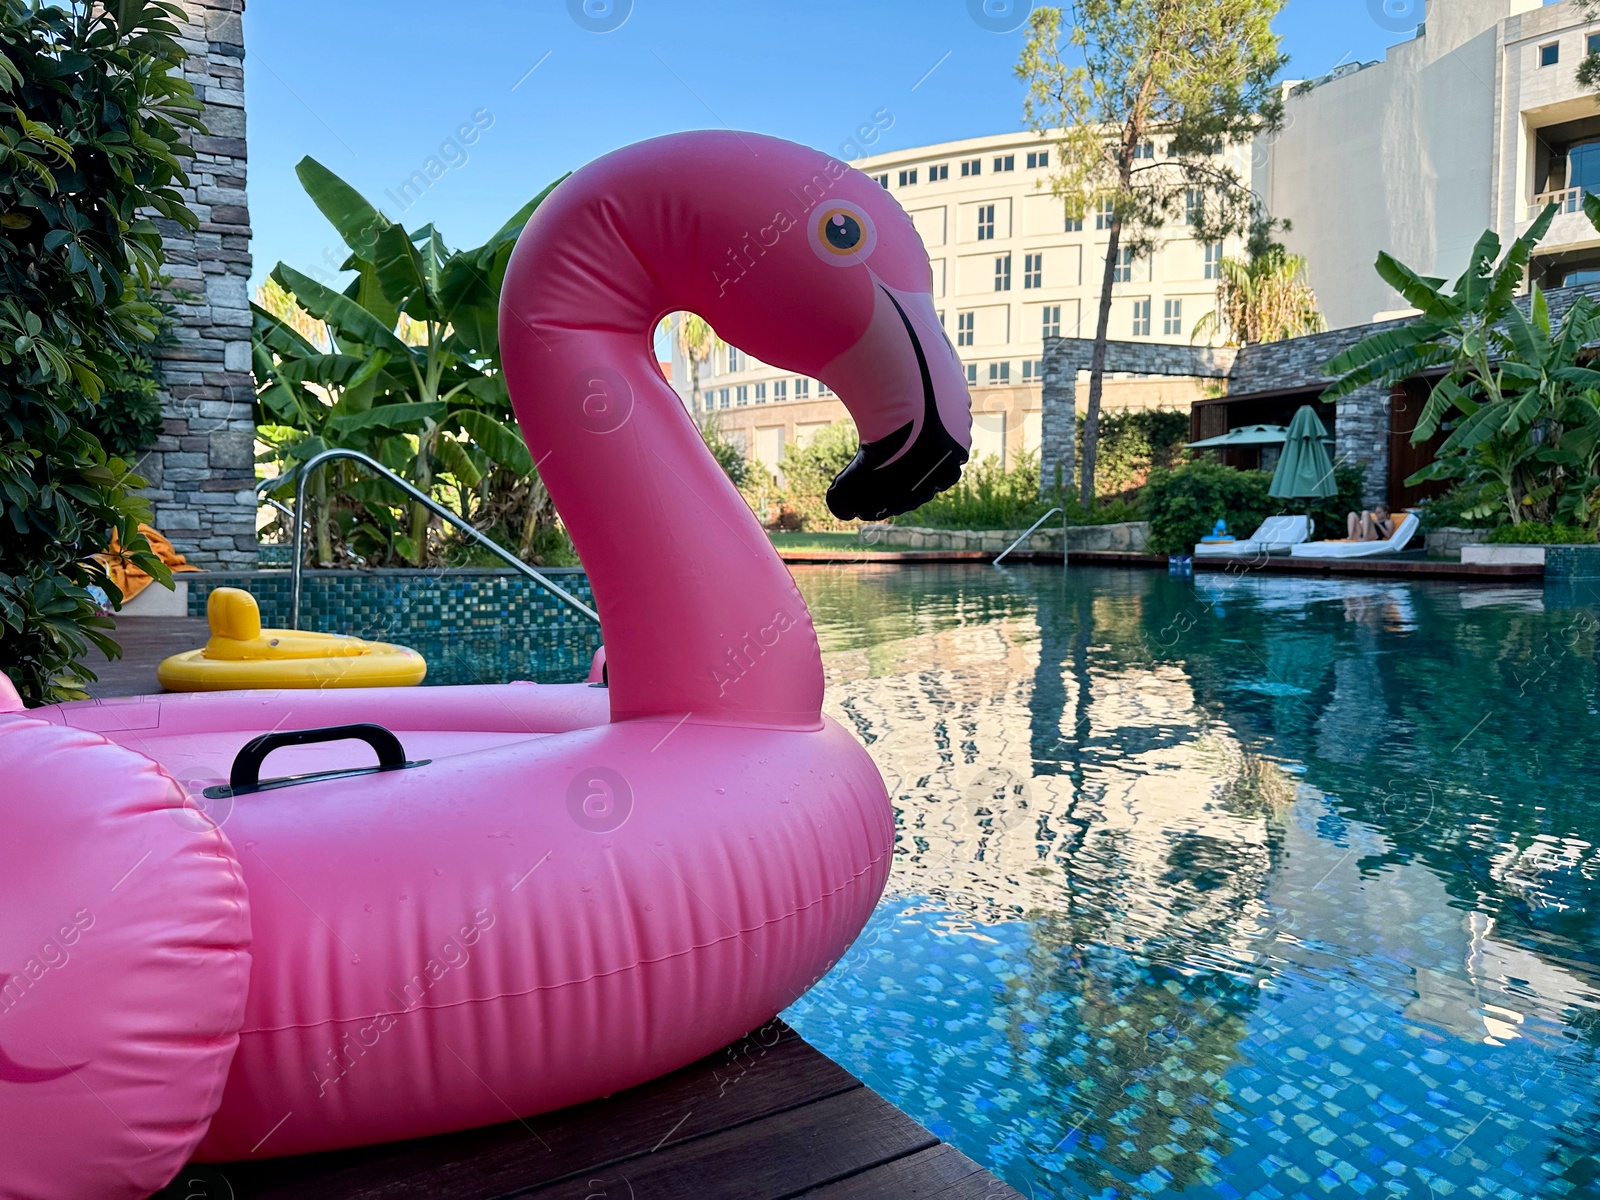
(241,654)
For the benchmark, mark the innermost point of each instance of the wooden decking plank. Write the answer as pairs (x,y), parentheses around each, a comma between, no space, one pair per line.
(768,1072)
(938,1173)
(781,1156)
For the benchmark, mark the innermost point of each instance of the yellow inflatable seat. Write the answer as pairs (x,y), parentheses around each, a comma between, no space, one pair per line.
(240,654)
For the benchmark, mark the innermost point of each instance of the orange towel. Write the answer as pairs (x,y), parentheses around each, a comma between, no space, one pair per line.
(129,578)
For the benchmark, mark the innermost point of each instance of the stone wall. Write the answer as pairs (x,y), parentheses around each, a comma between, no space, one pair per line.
(201,469)
(1129,537)
(1064,358)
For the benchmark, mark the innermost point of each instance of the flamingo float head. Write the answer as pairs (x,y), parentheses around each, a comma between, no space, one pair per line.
(827,276)
(803,263)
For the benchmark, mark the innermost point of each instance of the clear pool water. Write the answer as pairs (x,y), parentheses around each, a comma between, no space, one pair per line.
(1227,886)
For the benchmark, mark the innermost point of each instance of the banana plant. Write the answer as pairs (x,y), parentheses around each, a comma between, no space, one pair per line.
(1521,406)
(410,372)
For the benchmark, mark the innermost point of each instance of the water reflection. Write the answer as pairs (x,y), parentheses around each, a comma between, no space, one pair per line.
(1232,886)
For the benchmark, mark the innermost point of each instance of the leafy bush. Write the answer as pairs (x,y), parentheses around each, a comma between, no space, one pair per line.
(1462,507)
(729,457)
(988,496)
(1184,503)
(808,470)
(1132,442)
(128,416)
(1528,533)
(93,102)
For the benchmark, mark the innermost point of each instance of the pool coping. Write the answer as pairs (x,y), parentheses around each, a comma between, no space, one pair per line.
(1395,568)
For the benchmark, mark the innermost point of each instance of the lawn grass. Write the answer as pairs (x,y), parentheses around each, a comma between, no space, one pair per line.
(825,542)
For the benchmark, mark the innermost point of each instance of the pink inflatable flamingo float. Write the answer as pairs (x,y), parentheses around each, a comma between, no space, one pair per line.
(542,894)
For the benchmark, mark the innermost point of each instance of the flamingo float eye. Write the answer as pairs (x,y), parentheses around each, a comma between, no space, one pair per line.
(842,234)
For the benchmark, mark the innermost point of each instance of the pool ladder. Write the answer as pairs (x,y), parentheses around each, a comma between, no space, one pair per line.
(1030,533)
(302,474)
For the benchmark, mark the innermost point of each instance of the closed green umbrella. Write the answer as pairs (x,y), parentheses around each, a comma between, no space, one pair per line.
(1304,469)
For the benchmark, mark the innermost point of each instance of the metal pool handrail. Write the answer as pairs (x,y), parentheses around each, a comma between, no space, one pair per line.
(309,467)
(1029,534)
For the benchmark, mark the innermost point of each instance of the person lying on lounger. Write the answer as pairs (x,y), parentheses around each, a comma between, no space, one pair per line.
(1374,526)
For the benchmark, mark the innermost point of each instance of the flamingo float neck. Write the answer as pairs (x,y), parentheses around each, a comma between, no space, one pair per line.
(802,262)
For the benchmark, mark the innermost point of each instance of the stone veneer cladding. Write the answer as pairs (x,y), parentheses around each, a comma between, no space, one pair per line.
(1361,434)
(201,469)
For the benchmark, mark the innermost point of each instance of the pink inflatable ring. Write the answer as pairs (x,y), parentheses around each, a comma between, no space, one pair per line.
(538,894)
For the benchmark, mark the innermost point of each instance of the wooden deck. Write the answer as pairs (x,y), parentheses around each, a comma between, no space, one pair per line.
(767,1118)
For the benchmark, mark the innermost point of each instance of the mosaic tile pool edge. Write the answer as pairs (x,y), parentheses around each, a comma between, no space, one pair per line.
(384,602)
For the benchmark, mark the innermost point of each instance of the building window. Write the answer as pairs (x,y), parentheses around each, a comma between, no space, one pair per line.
(972,374)
(1550,55)
(822,390)
(735,360)
(1074,224)
(1591,44)
(1141,318)
(741,395)
(1052,321)
(1002,273)
(1145,150)
(1122,270)
(1032,270)
(1033,371)
(722,398)
(985,222)
(965,328)
(1005,162)
(1191,206)
(908,178)
(883,181)
(938,173)
(1038,158)
(761,393)
(1214,260)
(1102,213)
(999,374)
(1172,316)
(802,389)
(973,166)
(780,391)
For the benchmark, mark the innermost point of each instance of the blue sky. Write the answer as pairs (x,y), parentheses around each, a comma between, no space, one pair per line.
(373,89)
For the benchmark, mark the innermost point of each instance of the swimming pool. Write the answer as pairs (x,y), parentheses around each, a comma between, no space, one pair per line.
(1228,886)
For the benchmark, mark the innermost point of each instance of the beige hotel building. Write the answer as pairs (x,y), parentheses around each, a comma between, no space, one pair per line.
(1009,269)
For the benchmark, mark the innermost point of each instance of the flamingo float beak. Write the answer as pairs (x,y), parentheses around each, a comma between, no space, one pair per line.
(907,390)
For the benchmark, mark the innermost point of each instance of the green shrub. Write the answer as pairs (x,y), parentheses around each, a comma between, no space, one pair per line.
(808,470)
(1464,506)
(1182,504)
(988,496)
(128,415)
(93,97)
(1535,532)
(1132,442)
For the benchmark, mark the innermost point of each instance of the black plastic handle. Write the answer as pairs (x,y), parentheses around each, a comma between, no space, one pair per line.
(246,773)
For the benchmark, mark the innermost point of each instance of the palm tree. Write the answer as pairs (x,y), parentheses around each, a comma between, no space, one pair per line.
(696,340)
(1263,298)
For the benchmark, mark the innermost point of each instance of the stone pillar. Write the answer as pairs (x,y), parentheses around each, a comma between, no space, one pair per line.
(1361,438)
(1058,418)
(202,468)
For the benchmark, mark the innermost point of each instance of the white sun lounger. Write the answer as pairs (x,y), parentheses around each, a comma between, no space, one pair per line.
(1396,542)
(1276,534)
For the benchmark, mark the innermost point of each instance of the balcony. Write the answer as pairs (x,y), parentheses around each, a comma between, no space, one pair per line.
(1570,199)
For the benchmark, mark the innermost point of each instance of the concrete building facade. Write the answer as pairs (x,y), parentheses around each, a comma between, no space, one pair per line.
(1010,269)
(1474,123)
